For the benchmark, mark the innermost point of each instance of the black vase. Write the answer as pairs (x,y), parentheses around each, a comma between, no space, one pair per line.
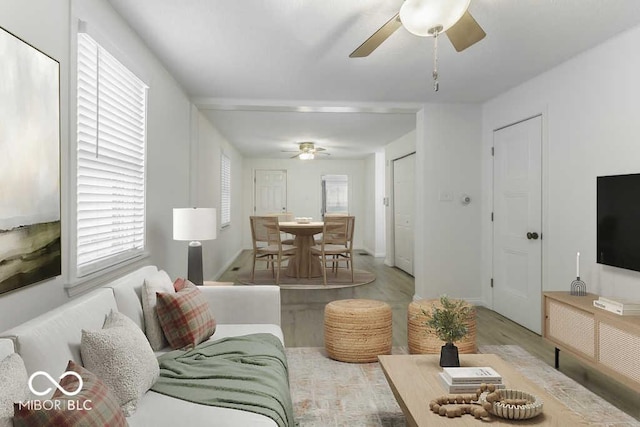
(449,356)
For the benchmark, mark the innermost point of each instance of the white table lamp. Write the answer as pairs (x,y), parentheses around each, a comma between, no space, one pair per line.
(194,225)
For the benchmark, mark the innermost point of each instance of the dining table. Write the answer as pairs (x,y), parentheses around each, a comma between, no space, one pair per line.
(301,265)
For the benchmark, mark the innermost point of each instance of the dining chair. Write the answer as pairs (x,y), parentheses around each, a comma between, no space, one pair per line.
(287,239)
(336,245)
(268,246)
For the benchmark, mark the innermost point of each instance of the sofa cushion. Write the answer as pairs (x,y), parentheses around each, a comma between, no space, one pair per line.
(120,355)
(99,407)
(48,342)
(185,317)
(156,409)
(6,348)
(13,378)
(154,283)
(127,291)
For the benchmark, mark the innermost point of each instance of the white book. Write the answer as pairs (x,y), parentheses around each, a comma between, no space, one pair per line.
(461,388)
(472,375)
(621,302)
(613,308)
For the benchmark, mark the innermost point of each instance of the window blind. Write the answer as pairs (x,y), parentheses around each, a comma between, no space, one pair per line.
(225,190)
(112,104)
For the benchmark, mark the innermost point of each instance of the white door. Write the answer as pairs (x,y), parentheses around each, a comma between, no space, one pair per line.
(270,192)
(517,226)
(403,211)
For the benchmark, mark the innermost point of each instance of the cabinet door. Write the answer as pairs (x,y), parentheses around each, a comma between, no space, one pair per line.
(570,327)
(618,350)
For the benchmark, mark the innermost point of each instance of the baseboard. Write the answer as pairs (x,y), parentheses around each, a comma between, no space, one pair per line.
(473,301)
(373,253)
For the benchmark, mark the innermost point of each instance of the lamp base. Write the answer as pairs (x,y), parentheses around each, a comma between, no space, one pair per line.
(194,269)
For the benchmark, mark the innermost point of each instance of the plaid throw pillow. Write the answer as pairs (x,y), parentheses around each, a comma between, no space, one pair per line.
(94,406)
(185,317)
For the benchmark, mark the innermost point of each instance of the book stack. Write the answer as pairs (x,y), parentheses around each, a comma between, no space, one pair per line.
(618,306)
(468,379)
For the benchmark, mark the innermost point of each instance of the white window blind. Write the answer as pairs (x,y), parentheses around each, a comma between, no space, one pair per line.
(225,190)
(112,104)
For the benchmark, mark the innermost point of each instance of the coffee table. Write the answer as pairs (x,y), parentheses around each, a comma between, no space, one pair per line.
(414,382)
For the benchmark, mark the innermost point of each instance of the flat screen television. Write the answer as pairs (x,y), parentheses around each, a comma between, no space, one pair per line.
(618,240)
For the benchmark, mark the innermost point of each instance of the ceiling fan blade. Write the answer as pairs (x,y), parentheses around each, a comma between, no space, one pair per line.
(293,157)
(319,149)
(377,38)
(465,32)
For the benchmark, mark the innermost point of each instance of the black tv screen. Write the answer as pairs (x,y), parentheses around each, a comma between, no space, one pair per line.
(618,230)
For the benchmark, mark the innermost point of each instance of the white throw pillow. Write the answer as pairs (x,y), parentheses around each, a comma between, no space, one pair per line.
(121,357)
(157,282)
(13,387)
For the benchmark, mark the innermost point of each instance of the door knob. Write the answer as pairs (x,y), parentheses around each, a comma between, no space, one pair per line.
(529,235)
(533,235)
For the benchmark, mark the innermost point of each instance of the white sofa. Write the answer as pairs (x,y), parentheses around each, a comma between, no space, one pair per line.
(49,341)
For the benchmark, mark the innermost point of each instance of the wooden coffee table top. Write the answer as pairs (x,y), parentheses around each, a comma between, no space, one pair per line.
(414,382)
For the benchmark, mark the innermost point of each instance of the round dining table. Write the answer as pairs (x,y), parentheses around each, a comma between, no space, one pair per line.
(300,265)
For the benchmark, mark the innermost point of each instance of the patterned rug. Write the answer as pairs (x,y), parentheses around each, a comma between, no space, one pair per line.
(329,393)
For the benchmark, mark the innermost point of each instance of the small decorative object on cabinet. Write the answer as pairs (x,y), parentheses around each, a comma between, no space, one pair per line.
(578,287)
(449,322)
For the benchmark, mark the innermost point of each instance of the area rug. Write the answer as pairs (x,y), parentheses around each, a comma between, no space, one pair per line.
(341,280)
(330,393)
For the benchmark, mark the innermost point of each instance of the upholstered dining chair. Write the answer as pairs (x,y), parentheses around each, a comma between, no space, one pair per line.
(336,245)
(268,246)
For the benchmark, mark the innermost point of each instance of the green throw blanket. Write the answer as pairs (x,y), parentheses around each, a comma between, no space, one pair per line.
(249,373)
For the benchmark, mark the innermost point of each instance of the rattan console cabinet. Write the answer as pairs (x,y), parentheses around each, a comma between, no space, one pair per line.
(606,341)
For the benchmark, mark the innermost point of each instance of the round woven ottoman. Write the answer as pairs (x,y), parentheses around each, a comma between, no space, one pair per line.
(357,330)
(422,341)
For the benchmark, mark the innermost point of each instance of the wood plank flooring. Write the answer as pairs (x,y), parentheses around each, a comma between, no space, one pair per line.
(303,315)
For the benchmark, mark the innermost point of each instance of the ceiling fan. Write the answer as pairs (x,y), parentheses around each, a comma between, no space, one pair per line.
(429,18)
(307,151)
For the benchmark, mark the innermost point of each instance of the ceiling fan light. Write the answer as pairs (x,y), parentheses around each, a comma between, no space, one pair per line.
(306,156)
(420,16)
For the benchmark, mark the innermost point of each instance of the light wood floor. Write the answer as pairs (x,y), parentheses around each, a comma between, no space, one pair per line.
(303,314)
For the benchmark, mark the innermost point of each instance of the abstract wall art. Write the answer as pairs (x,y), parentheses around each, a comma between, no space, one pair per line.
(30,249)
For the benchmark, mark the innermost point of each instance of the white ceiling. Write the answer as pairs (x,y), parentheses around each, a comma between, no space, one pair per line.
(251,64)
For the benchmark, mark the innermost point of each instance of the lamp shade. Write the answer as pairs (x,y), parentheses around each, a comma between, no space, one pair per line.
(194,224)
(420,16)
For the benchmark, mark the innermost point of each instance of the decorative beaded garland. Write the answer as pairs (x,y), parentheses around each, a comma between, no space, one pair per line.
(468,403)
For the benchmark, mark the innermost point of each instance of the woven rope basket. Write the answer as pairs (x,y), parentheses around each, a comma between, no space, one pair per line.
(421,341)
(357,330)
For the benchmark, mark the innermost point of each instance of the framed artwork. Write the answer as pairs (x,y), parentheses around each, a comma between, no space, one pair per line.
(30,249)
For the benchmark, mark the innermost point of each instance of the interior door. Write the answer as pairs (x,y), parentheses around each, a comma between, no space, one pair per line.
(403,211)
(517,226)
(270,191)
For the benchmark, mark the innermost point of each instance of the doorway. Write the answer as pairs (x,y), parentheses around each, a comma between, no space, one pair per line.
(517,222)
(404,211)
(270,187)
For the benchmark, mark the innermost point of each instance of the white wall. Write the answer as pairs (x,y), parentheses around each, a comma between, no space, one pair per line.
(48,24)
(591,128)
(304,195)
(448,236)
(401,147)
(217,254)
(374,236)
